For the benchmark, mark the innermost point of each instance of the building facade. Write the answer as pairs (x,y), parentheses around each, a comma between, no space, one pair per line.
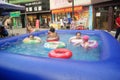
(38,10)
(102,16)
(62,8)
(10,10)
(105,14)
(35,10)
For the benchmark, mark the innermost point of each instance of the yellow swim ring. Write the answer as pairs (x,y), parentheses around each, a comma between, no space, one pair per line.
(32,41)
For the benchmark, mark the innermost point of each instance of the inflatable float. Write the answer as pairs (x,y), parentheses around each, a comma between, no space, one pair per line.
(30,41)
(22,67)
(54,45)
(73,40)
(60,53)
(52,39)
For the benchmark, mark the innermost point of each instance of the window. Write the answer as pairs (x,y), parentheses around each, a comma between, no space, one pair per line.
(39,8)
(30,8)
(27,9)
(35,8)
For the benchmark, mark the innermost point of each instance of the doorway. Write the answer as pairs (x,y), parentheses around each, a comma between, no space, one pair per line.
(102,18)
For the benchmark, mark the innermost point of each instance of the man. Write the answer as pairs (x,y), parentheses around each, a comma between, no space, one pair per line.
(3,32)
(8,23)
(117,21)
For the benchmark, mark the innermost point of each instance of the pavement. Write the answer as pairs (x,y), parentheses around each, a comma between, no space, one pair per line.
(20,31)
(23,31)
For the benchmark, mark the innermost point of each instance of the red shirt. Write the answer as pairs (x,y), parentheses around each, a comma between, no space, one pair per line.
(118,21)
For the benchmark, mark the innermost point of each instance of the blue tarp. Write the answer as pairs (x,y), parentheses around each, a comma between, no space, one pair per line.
(7,6)
(21,67)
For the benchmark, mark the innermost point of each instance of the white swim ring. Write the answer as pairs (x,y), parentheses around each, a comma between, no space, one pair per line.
(73,40)
(93,43)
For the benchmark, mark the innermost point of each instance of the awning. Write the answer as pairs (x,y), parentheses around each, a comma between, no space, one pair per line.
(8,6)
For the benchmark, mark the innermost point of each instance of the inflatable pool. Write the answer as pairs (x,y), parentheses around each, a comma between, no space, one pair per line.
(22,67)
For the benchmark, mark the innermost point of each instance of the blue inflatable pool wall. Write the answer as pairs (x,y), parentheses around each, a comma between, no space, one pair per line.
(21,67)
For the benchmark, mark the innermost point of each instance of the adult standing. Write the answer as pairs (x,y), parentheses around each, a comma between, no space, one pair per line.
(29,28)
(73,24)
(65,21)
(61,23)
(8,24)
(117,21)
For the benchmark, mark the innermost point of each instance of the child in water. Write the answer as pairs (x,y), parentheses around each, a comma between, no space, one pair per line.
(76,39)
(78,36)
(32,37)
(52,34)
(85,43)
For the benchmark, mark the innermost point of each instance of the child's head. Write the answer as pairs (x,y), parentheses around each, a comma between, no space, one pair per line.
(52,29)
(31,36)
(78,35)
(85,38)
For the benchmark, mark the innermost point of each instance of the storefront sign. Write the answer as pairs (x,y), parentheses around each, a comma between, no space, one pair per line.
(79,8)
(15,14)
(33,3)
(33,6)
(98,14)
(56,4)
(20,1)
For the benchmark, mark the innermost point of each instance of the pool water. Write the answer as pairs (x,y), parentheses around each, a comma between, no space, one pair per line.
(79,53)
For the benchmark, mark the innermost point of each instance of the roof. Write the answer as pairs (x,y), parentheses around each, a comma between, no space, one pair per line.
(7,6)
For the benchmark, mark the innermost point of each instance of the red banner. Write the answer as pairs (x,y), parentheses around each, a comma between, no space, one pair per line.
(78,8)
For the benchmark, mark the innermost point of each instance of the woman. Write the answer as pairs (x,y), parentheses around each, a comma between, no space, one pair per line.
(73,24)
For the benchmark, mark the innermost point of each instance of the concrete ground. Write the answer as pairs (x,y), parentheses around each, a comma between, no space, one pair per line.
(20,31)
(23,31)
(113,34)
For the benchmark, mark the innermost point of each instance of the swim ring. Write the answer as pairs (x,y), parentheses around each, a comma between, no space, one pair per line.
(52,39)
(29,41)
(54,45)
(73,40)
(93,44)
(60,53)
